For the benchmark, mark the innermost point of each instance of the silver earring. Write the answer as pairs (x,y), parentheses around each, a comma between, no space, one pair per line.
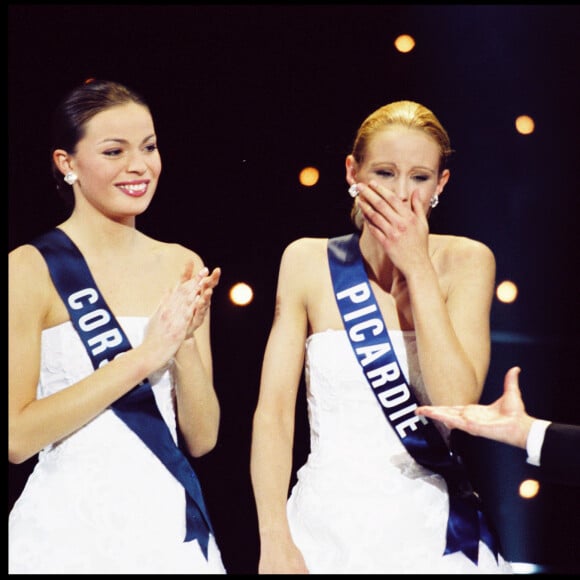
(353,190)
(70,177)
(434,201)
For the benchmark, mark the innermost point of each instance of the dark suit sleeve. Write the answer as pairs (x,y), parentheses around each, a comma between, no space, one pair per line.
(560,455)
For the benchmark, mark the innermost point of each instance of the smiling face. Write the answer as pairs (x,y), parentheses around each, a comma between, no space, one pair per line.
(117,162)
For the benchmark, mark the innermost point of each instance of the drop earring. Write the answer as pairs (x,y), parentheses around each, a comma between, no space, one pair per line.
(434,201)
(70,177)
(353,190)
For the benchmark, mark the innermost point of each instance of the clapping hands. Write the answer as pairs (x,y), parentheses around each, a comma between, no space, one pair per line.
(181,312)
(205,282)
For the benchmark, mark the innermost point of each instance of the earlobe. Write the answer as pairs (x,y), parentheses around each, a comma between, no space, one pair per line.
(350,165)
(445,175)
(61,160)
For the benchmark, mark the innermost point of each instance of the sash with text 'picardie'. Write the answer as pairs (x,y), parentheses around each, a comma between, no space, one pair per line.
(370,341)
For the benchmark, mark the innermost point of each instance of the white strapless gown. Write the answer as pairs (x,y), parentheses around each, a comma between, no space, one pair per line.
(100,501)
(361,503)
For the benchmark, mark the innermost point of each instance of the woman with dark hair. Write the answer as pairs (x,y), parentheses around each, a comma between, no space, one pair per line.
(110,365)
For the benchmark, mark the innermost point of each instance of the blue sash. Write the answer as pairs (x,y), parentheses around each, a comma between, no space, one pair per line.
(371,344)
(104,339)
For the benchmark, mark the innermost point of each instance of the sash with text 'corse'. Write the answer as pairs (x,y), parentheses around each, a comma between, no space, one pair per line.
(104,339)
(371,344)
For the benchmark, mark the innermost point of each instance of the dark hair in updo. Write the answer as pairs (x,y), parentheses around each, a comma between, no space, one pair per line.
(76,110)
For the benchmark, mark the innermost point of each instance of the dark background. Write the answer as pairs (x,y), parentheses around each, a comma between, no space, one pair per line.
(246,96)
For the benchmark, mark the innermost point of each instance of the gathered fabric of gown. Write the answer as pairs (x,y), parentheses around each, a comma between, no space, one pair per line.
(361,503)
(99,501)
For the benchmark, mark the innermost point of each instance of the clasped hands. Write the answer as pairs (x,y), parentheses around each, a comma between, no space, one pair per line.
(182,310)
(201,288)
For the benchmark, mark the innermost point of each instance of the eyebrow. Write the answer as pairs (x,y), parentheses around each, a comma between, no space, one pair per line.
(118,140)
(392,164)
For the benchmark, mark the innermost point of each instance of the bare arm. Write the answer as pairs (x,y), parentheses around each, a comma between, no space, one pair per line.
(452,324)
(274,422)
(453,333)
(34,424)
(198,410)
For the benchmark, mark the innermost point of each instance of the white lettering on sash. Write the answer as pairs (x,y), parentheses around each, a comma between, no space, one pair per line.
(104,340)
(389,372)
(75,298)
(358,293)
(360,312)
(372,353)
(410,423)
(355,331)
(394,396)
(94,319)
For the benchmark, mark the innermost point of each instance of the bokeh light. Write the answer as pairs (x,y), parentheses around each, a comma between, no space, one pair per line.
(529,488)
(404,43)
(309,176)
(241,294)
(507,291)
(525,125)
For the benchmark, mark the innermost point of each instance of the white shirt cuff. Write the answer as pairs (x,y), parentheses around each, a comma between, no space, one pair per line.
(535,441)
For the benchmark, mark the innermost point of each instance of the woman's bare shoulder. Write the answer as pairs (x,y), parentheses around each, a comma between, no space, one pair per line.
(29,282)
(25,260)
(301,260)
(172,251)
(460,260)
(305,247)
(458,249)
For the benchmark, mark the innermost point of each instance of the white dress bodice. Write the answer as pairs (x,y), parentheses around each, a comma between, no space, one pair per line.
(361,503)
(99,501)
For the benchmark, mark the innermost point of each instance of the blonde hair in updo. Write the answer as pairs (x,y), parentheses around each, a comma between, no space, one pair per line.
(405,114)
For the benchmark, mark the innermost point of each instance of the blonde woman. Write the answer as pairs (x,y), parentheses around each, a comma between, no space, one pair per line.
(381,320)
